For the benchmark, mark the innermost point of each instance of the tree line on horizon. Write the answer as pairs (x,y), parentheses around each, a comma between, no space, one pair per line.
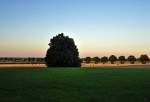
(27,60)
(144,59)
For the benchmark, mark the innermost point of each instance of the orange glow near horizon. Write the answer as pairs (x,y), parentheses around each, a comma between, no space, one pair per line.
(91,53)
(40,51)
(84,50)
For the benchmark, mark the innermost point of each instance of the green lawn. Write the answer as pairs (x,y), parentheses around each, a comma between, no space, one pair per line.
(75,85)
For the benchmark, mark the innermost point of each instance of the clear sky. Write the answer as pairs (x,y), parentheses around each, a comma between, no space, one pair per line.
(99,27)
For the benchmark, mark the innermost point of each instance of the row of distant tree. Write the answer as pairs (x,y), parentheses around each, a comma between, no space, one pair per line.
(113,59)
(29,60)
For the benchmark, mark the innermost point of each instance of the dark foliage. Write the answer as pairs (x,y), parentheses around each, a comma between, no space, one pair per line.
(144,59)
(132,59)
(112,59)
(82,60)
(62,52)
(104,59)
(122,59)
(87,59)
(96,60)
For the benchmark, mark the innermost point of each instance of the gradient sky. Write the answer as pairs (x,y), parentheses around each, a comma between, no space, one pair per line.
(99,27)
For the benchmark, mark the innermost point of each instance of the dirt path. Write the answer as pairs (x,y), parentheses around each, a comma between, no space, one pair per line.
(117,65)
(83,65)
(22,65)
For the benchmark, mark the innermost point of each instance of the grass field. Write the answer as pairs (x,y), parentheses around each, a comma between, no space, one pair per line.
(75,85)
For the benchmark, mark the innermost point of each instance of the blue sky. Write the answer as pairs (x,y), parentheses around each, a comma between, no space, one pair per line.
(99,27)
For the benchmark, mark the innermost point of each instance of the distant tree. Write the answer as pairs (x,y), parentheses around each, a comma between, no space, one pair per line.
(104,59)
(10,59)
(5,59)
(82,60)
(144,59)
(25,60)
(2,59)
(87,59)
(33,60)
(122,59)
(131,59)
(38,60)
(96,60)
(112,59)
(29,60)
(62,52)
(43,60)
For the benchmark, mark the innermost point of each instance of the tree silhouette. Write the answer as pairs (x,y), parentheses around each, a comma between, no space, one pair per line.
(87,59)
(122,59)
(62,52)
(132,59)
(104,59)
(96,60)
(112,59)
(1,59)
(82,60)
(144,59)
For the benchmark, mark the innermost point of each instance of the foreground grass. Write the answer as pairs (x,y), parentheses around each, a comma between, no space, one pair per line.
(75,85)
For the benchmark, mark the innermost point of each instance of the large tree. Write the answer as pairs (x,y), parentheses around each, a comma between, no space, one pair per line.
(62,52)
(122,59)
(96,60)
(132,59)
(144,59)
(104,59)
(112,59)
(87,59)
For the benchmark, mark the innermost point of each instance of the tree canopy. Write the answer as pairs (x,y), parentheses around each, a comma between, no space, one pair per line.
(62,52)
(144,59)
(112,59)
(122,59)
(104,59)
(87,59)
(96,60)
(132,59)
